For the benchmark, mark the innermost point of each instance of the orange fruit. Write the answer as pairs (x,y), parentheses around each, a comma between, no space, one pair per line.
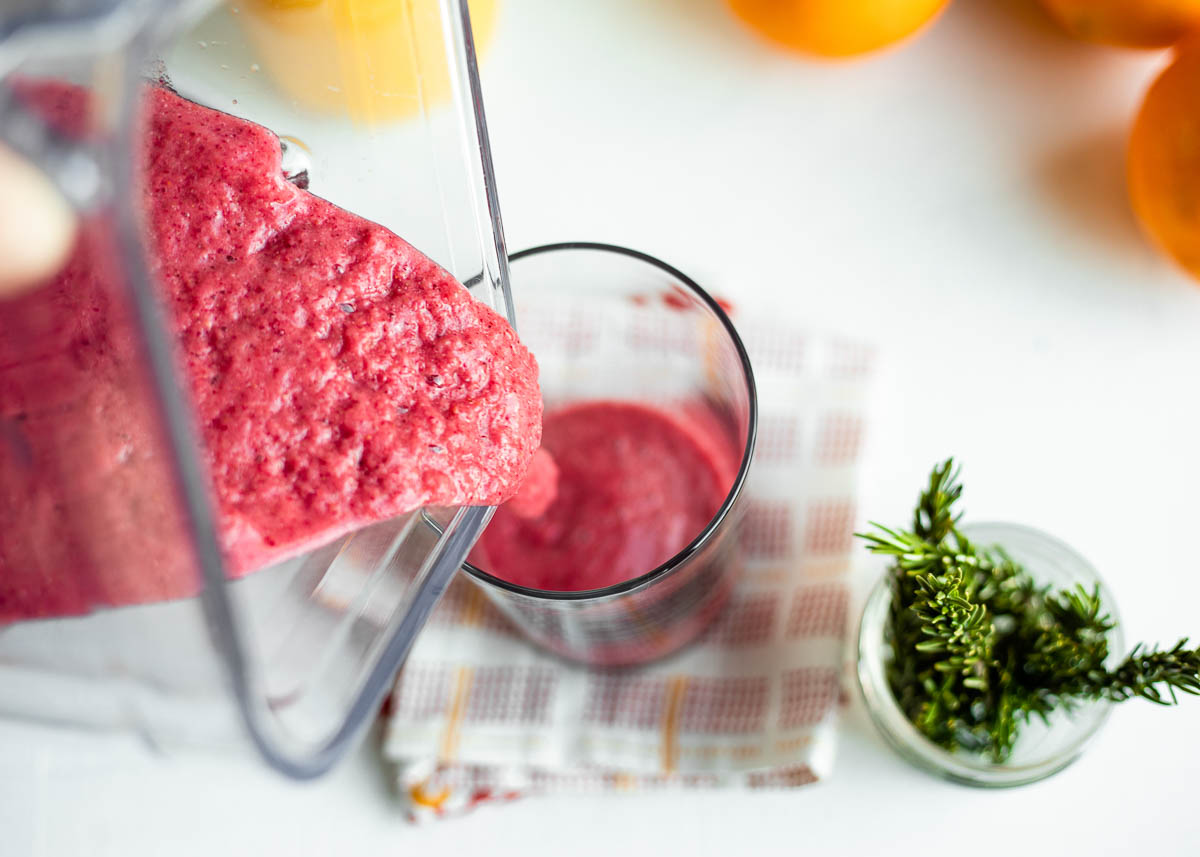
(1127,23)
(1164,160)
(836,28)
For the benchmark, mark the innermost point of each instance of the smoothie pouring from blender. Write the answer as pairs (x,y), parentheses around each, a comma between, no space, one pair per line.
(338,377)
(633,484)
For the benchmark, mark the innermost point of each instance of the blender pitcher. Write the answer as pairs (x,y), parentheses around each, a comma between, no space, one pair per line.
(119,610)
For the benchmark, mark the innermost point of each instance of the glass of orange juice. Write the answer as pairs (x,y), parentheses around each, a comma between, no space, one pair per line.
(357,57)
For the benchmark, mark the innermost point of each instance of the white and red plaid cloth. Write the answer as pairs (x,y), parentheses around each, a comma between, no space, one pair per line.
(480,715)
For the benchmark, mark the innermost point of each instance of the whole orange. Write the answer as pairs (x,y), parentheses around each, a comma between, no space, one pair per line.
(1127,23)
(836,28)
(1164,160)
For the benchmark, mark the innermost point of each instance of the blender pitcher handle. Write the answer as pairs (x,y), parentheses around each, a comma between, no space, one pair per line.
(70,165)
(52,29)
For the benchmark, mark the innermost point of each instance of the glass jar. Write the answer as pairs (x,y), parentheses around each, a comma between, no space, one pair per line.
(1041,749)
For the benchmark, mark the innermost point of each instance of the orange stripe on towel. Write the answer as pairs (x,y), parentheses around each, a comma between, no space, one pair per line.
(472,613)
(458,706)
(670,723)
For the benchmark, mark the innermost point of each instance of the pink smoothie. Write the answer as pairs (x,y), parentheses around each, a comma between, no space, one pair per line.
(339,377)
(635,485)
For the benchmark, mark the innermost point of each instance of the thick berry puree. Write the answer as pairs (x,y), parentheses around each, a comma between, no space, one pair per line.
(635,485)
(339,376)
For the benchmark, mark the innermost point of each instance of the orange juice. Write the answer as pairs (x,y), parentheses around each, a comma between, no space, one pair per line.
(374,60)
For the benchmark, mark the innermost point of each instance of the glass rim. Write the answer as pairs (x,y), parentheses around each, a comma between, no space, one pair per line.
(707,534)
(903,736)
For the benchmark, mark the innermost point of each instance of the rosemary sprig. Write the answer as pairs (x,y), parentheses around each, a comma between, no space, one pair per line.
(979,647)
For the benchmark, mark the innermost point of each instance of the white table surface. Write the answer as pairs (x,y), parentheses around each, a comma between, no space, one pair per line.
(960,202)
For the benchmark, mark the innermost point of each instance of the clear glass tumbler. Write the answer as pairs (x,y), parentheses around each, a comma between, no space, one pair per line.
(609,323)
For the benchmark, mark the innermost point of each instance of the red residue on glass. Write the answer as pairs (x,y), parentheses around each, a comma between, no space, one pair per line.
(675,299)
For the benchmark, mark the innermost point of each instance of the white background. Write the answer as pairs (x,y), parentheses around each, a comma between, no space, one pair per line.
(959,202)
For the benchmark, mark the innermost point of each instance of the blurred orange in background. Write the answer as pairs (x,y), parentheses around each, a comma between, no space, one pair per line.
(373,59)
(836,28)
(1164,159)
(1127,23)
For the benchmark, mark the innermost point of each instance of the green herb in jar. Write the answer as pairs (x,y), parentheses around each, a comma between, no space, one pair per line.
(979,647)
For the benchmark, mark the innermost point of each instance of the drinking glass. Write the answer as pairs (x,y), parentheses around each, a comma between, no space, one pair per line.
(613,324)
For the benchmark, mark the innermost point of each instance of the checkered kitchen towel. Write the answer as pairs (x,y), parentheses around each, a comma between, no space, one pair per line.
(480,715)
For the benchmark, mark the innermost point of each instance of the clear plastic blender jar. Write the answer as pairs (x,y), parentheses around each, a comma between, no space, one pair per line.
(378,107)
